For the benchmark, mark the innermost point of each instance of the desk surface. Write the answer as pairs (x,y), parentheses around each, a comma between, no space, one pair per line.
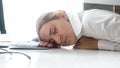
(62,58)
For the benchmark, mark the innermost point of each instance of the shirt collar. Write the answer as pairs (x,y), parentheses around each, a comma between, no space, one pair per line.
(76,23)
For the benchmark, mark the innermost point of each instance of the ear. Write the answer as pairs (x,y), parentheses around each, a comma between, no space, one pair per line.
(63,14)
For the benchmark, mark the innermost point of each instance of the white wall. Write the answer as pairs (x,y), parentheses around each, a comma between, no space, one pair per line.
(21,15)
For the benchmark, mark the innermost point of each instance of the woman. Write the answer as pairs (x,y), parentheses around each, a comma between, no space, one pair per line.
(80,29)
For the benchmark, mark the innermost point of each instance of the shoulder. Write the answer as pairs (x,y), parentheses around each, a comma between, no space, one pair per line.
(92,10)
(99,11)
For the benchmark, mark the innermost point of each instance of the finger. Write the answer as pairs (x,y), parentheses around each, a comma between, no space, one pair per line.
(50,45)
(40,43)
(43,43)
(53,46)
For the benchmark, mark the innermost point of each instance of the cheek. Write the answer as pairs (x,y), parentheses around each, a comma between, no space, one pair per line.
(62,31)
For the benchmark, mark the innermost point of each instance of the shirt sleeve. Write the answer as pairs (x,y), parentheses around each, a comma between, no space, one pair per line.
(108,45)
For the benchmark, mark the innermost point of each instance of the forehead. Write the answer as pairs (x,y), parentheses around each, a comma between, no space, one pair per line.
(44,31)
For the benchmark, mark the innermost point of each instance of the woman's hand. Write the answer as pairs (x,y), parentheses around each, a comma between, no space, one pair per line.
(86,43)
(47,44)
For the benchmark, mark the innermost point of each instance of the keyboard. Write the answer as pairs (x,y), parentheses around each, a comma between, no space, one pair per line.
(4,44)
(26,45)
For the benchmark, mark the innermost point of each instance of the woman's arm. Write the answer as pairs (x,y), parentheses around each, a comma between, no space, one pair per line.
(86,43)
(94,44)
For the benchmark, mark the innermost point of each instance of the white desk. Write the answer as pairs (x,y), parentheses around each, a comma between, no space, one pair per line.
(62,58)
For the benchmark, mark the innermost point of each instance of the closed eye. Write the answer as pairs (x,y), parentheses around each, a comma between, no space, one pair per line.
(53,30)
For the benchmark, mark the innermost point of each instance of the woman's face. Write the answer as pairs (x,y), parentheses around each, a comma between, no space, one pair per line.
(58,30)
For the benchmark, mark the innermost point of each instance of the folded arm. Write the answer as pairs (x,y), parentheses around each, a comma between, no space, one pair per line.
(94,44)
(86,43)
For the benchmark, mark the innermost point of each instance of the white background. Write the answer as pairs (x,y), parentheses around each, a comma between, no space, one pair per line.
(21,15)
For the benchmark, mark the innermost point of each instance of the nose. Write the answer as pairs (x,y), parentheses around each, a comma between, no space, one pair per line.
(58,38)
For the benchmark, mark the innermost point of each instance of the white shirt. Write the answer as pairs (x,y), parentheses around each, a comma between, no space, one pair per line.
(99,24)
